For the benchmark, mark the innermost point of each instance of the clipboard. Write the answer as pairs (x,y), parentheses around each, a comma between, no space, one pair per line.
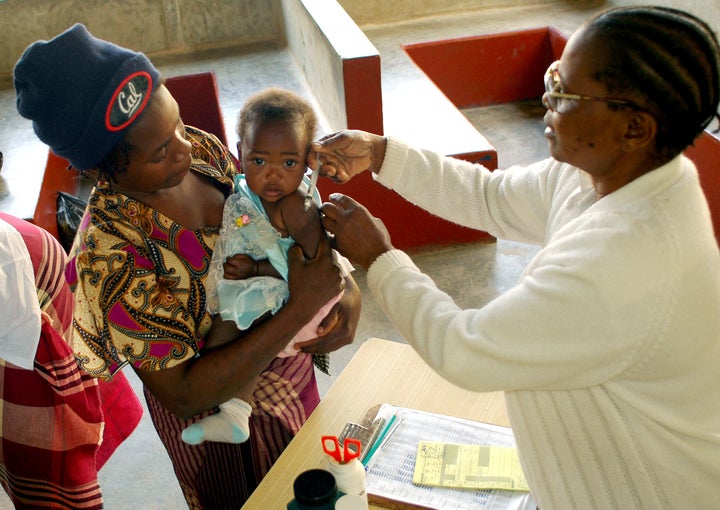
(390,468)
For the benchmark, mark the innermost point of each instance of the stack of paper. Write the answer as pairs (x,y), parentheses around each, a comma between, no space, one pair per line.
(391,468)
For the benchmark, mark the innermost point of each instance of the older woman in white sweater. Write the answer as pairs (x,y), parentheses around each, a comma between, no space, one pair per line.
(608,348)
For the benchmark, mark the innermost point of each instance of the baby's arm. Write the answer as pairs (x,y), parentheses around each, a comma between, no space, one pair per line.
(241,266)
(303,226)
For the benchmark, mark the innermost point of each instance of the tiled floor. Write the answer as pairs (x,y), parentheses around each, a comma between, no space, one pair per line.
(139,475)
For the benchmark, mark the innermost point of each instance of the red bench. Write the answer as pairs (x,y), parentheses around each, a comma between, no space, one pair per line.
(505,67)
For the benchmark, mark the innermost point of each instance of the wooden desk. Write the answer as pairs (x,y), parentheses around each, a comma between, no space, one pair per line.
(381,371)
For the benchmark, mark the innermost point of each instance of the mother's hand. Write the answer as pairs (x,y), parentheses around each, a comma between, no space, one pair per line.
(312,282)
(338,327)
(359,236)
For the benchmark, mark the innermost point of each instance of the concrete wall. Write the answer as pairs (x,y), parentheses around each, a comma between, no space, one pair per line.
(707,10)
(167,27)
(339,63)
(369,12)
(318,59)
(156,27)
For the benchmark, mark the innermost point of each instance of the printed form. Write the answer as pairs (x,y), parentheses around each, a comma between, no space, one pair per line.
(391,469)
(469,467)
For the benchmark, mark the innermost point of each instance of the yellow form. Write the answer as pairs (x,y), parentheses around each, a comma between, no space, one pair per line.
(468,467)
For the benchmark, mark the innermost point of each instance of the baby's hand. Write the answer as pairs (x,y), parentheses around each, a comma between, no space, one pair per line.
(239,267)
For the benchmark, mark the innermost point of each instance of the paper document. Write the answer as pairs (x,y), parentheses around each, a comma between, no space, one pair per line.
(469,467)
(390,470)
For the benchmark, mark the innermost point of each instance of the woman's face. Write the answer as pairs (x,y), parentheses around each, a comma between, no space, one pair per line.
(273,158)
(159,152)
(586,134)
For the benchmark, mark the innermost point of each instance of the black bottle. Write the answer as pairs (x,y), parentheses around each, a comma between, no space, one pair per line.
(314,489)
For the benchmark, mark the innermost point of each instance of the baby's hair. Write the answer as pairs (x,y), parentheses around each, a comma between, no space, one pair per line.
(277,104)
(668,59)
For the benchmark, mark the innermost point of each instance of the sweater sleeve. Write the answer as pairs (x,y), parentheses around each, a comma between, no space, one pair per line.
(575,318)
(490,199)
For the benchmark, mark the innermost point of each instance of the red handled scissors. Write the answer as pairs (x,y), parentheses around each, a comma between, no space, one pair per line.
(350,450)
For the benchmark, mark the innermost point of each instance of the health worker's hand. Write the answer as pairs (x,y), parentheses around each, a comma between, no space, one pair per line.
(347,153)
(359,235)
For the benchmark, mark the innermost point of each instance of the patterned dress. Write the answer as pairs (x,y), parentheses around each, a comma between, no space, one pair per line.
(54,417)
(139,280)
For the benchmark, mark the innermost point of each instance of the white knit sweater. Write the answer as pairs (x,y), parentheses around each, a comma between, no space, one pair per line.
(608,348)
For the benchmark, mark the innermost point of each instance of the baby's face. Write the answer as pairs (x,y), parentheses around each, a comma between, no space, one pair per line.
(273,158)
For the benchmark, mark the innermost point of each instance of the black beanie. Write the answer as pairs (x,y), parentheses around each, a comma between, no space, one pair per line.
(82,93)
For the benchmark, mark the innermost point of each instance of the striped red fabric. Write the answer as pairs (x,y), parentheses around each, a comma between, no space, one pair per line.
(54,417)
(223,475)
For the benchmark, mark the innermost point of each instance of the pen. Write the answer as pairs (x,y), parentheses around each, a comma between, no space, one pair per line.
(313,184)
(393,428)
(380,440)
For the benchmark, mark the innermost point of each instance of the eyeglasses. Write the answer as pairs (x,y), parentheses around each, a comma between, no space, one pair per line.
(556,100)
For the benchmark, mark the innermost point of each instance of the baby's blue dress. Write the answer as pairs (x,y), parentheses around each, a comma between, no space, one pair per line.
(247,229)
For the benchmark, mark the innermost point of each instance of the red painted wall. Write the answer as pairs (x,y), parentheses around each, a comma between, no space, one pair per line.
(490,69)
(57,177)
(470,71)
(197,97)
(409,226)
(505,67)
(705,153)
(363,94)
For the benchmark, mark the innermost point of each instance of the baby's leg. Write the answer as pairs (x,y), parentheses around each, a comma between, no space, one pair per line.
(230,425)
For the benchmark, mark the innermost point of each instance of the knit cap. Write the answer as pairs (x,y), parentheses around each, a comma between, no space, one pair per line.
(82,93)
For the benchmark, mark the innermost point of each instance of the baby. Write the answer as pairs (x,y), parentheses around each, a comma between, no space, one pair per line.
(263,217)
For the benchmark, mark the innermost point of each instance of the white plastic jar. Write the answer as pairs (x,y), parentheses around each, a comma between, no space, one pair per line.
(350,478)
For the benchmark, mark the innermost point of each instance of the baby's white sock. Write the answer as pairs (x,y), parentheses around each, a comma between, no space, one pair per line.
(230,425)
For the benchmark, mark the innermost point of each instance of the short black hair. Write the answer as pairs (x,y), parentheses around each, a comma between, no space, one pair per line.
(665,59)
(278,104)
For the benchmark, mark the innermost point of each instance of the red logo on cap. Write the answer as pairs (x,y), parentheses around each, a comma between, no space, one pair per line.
(128,101)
